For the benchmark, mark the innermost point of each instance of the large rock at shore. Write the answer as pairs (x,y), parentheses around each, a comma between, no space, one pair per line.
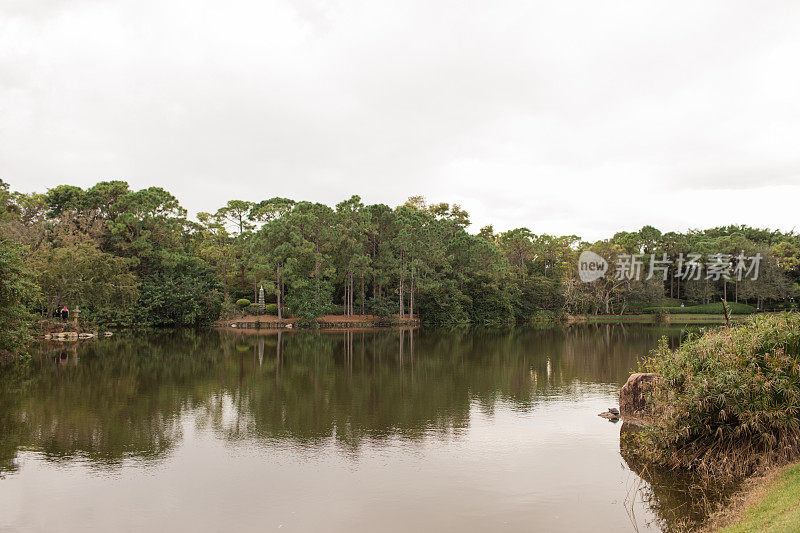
(633,401)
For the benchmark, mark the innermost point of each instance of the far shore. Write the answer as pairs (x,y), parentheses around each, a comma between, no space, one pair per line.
(271,322)
(261,322)
(655,319)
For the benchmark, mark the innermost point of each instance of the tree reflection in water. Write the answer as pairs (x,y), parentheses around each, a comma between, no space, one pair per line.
(129,396)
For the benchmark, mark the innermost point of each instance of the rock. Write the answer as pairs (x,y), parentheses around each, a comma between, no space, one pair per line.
(613,410)
(609,415)
(633,396)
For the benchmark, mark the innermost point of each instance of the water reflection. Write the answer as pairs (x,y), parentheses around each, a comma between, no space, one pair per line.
(129,397)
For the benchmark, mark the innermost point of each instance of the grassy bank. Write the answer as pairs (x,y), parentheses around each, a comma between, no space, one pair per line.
(734,308)
(645,318)
(772,504)
(728,403)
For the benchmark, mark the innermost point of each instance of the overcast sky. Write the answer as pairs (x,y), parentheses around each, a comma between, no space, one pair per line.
(566,117)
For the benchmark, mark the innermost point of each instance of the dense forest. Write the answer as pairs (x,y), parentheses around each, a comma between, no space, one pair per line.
(134,258)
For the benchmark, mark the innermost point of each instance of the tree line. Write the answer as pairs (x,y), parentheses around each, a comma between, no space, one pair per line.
(129,257)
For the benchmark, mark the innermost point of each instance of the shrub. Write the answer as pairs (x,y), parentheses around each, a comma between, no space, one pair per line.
(242,302)
(729,401)
(227,309)
(660,317)
(254,309)
(238,294)
(543,314)
(271,309)
(380,307)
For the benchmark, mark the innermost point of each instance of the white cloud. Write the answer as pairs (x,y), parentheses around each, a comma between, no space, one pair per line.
(566,117)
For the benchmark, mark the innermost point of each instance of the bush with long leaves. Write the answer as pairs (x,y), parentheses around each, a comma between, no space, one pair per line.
(729,400)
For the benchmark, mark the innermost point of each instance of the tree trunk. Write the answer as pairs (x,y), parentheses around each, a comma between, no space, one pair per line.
(363,296)
(225,281)
(348,294)
(671,281)
(411,303)
(402,310)
(402,295)
(316,277)
(278,287)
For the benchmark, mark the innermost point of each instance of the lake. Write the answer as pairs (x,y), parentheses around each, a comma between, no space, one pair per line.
(379,430)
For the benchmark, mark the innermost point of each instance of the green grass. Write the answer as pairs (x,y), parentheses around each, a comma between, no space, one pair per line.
(674,302)
(713,308)
(777,511)
(688,318)
(648,318)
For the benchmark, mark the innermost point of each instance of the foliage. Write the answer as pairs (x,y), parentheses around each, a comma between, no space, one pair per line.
(380,307)
(228,308)
(242,302)
(16,290)
(544,315)
(82,275)
(184,291)
(119,254)
(728,402)
(309,300)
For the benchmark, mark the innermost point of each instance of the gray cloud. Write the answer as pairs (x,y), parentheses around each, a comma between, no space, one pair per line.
(566,117)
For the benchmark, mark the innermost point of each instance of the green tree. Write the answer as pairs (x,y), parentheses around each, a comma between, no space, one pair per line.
(17,290)
(82,275)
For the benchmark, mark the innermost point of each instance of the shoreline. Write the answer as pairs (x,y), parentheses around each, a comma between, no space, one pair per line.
(655,319)
(271,322)
(644,318)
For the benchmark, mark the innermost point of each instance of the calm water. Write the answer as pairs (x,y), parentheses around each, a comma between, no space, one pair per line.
(361,431)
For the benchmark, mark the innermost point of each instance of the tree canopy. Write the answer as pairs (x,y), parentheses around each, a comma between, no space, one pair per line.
(133,257)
